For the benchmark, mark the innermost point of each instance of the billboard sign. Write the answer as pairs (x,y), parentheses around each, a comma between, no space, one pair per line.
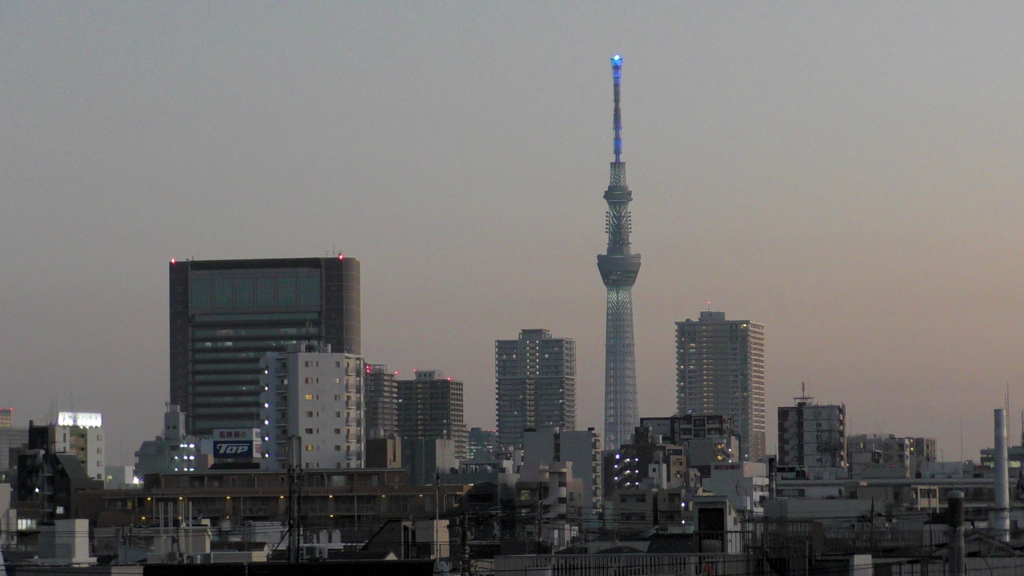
(236,434)
(232,449)
(83,419)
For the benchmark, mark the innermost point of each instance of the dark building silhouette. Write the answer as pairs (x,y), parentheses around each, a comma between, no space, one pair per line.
(226,314)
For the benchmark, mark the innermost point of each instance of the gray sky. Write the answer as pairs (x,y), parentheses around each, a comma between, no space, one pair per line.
(848,174)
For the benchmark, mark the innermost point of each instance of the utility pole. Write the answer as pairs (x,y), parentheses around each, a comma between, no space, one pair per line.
(957,556)
(294,497)
(437,514)
(464,537)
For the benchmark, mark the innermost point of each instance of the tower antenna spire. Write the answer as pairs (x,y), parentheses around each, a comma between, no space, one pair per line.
(617,115)
(619,268)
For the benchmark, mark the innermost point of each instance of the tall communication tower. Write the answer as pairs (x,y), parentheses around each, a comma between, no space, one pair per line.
(619,268)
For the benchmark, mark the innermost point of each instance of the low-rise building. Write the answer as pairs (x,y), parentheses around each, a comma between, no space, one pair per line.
(580,447)
(345,499)
(549,504)
(708,438)
(174,451)
(630,465)
(889,456)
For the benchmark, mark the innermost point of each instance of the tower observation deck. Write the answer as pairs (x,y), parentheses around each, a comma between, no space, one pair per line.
(619,268)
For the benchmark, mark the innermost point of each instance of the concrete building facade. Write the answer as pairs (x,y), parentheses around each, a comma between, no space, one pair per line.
(581,447)
(720,370)
(430,407)
(226,314)
(536,384)
(812,436)
(889,456)
(10,438)
(173,451)
(80,434)
(380,402)
(482,444)
(708,438)
(312,399)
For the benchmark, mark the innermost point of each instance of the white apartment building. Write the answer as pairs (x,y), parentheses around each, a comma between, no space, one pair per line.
(312,398)
(81,434)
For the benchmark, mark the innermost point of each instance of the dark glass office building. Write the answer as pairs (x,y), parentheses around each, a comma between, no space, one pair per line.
(225,314)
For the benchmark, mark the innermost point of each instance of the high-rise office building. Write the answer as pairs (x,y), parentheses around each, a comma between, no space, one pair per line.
(430,408)
(226,314)
(720,370)
(380,402)
(6,417)
(315,396)
(536,384)
(619,268)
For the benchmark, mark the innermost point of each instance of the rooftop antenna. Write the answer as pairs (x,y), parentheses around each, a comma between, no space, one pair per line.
(709,305)
(804,398)
(617,115)
(961,440)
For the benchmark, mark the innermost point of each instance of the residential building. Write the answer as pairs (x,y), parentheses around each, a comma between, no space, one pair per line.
(313,399)
(52,484)
(720,370)
(745,484)
(380,402)
(813,437)
(226,314)
(483,444)
(424,459)
(923,453)
(173,451)
(708,438)
(10,438)
(536,384)
(877,456)
(430,408)
(77,433)
(550,503)
(647,457)
(890,456)
(580,447)
(384,452)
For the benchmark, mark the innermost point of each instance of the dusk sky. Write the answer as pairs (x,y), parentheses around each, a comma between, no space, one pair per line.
(847,174)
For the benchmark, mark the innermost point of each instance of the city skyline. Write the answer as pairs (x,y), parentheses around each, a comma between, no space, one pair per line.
(848,176)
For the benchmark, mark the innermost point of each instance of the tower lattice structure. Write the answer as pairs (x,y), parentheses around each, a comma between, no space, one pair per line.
(619,268)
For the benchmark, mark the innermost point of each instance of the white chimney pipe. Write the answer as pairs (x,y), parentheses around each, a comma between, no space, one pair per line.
(1000,518)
